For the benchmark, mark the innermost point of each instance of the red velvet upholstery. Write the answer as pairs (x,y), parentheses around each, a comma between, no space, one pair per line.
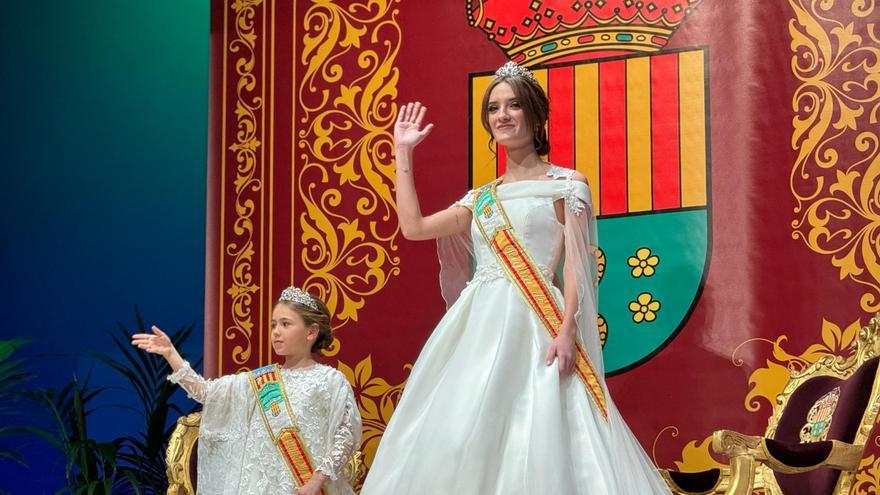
(193,465)
(799,454)
(700,482)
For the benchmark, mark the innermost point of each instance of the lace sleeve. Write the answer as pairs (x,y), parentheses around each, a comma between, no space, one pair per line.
(577,196)
(345,438)
(194,383)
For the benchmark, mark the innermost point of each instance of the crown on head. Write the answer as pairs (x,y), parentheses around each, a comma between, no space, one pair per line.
(532,32)
(512,69)
(298,296)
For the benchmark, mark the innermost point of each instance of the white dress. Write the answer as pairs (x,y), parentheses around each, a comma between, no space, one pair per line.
(482,413)
(235,453)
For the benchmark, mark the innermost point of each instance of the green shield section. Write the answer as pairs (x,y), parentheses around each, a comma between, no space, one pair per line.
(654,265)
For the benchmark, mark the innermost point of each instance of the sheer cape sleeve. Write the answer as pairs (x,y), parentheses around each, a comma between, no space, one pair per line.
(227,405)
(344,428)
(455,253)
(581,249)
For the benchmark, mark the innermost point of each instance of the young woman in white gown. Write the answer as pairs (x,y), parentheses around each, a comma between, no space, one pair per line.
(492,405)
(236,454)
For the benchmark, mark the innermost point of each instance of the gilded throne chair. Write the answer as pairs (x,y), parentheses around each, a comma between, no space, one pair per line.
(181,458)
(816,434)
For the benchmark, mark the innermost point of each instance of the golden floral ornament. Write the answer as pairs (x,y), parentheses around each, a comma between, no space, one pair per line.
(644,308)
(868,475)
(834,178)
(695,455)
(643,263)
(599,253)
(768,382)
(602,324)
(243,287)
(346,178)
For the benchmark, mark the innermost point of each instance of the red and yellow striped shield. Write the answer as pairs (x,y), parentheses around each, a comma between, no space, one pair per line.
(634,126)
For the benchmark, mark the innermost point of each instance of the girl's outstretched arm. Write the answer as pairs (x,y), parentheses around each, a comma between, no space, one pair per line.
(159,343)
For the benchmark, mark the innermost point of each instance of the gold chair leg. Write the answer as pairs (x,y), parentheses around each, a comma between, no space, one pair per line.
(742,475)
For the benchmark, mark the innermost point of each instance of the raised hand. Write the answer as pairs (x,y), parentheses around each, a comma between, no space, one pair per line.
(408,131)
(156,343)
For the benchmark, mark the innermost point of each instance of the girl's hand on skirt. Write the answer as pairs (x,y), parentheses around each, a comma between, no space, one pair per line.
(563,348)
(313,486)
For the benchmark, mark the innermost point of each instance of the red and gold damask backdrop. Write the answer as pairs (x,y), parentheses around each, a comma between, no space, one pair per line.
(732,148)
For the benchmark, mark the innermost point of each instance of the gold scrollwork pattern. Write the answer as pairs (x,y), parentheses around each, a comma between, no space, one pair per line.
(376,400)
(240,244)
(766,383)
(344,151)
(695,455)
(867,477)
(835,176)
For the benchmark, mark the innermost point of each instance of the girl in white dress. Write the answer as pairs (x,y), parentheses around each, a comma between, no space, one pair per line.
(237,454)
(505,399)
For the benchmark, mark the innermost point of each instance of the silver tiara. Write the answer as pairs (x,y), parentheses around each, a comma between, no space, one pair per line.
(299,296)
(512,69)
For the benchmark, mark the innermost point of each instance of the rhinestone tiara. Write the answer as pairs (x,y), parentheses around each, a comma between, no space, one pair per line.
(299,296)
(512,69)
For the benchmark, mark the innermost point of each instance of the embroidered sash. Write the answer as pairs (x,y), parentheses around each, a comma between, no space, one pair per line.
(524,273)
(280,422)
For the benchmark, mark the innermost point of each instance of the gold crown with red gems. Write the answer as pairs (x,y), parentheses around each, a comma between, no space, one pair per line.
(535,31)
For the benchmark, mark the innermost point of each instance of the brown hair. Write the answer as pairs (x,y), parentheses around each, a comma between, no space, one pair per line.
(320,317)
(535,105)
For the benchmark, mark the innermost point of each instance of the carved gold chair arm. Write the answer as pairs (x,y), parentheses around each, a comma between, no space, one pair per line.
(355,469)
(179,453)
(742,452)
(834,453)
(747,451)
(731,443)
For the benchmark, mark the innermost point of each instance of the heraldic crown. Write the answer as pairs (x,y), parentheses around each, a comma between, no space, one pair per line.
(531,32)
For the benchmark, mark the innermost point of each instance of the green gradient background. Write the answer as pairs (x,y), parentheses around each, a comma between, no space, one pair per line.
(104,138)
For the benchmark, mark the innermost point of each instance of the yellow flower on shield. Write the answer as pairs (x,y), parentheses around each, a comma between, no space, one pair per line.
(643,262)
(644,308)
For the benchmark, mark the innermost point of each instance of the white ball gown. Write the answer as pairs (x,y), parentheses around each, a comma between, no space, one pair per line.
(482,413)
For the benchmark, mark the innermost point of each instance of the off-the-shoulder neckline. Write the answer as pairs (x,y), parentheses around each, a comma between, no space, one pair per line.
(555,172)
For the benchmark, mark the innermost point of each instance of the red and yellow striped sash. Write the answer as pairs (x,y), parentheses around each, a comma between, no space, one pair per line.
(527,277)
(280,422)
